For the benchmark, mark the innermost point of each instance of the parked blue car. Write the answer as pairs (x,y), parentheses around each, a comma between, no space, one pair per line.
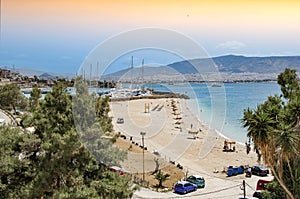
(232,171)
(184,187)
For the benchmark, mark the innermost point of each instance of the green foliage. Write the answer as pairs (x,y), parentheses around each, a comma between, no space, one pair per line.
(55,113)
(11,97)
(276,193)
(288,82)
(102,110)
(274,128)
(161,177)
(115,137)
(83,106)
(18,151)
(89,114)
(34,98)
(113,185)
(26,120)
(57,160)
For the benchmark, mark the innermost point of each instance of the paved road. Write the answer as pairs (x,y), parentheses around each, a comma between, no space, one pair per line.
(228,188)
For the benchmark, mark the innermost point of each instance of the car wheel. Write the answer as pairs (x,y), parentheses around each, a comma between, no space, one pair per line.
(203,186)
(184,192)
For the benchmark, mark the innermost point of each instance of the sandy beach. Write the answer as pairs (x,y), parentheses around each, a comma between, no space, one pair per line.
(167,124)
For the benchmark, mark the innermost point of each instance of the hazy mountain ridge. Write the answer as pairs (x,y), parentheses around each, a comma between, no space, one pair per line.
(229,67)
(242,64)
(40,74)
(146,71)
(274,64)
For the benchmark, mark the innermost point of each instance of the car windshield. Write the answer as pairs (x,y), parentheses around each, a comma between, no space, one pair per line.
(200,179)
(179,185)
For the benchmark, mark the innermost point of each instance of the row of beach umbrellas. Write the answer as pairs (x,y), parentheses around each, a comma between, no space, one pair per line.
(178,118)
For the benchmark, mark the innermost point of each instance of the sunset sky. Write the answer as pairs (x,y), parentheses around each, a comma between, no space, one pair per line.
(57,35)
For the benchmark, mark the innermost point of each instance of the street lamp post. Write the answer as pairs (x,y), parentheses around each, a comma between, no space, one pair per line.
(143,134)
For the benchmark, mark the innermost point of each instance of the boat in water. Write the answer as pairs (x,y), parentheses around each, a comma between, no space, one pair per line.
(216,85)
(124,93)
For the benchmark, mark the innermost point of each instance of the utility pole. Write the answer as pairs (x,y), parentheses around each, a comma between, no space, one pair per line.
(143,134)
(243,187)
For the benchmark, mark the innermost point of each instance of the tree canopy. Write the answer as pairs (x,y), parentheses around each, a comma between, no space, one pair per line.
(34,98)
(11,97)
(274,128)
(57,160)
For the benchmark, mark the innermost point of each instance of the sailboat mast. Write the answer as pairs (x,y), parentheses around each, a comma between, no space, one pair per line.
(91,67)
(98,75)
(143,71)
(131,72)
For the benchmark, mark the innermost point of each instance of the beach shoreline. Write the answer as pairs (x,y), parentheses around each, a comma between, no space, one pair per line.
(217,131)
(134,123)
(201,154)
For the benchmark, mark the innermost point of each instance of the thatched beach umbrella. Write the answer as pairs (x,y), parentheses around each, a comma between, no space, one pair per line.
(178,126)
(178,122)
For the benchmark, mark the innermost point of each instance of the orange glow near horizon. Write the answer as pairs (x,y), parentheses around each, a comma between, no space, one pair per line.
(49,32)
(153,13)
(217,20)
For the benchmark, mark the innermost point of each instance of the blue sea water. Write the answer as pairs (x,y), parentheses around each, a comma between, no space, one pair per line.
(222,107)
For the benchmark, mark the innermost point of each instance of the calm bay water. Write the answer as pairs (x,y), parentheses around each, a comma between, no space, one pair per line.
(222,107)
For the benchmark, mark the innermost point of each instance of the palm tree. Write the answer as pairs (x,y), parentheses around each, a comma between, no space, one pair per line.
(274,127)
(286,141)
(259,124)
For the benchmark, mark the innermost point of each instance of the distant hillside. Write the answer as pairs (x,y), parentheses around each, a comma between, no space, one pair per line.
(48,76)
(242,64)
(231,68)
(139,73)
(41,74)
